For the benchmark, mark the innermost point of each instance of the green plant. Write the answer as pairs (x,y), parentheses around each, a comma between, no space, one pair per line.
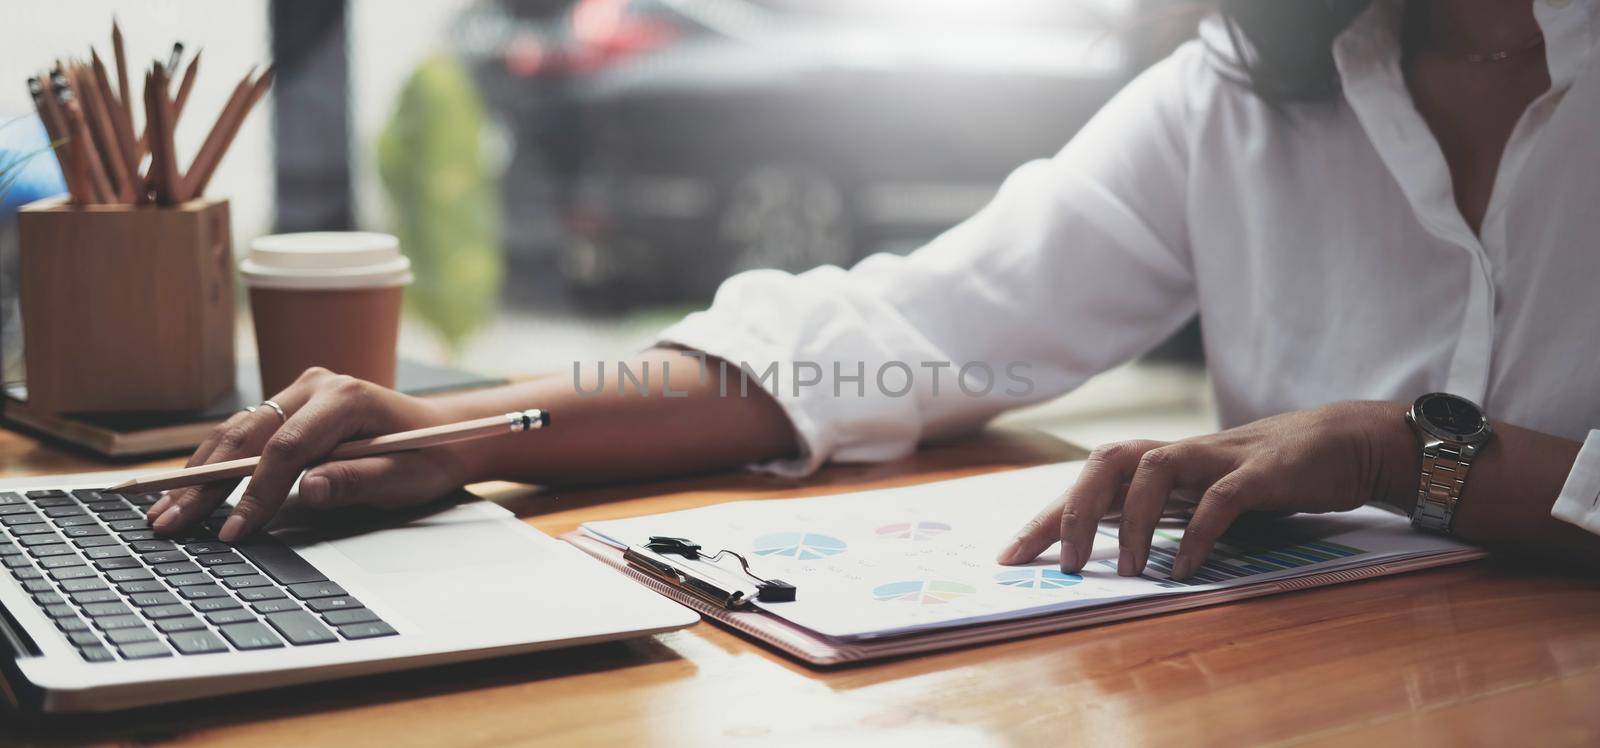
(446,207)
(11,166)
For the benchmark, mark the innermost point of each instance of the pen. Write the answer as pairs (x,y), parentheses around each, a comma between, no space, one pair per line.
(432,436)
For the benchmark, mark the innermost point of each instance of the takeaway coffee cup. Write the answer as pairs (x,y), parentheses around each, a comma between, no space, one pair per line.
(329,299)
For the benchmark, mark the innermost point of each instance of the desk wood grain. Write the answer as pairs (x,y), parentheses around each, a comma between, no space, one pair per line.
(1483,653)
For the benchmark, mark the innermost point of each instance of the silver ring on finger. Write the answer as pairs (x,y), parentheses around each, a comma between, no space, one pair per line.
(276,408)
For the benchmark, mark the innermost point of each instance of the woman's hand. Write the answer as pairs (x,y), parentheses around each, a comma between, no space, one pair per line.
(323,409)
(1330,459)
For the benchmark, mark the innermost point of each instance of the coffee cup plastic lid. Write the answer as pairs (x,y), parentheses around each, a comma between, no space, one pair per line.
(326,260)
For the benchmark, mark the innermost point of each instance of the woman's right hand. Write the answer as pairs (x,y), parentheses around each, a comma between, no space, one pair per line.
(322,409)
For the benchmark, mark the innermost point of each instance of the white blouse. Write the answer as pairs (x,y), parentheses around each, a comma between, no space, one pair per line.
(1320,244)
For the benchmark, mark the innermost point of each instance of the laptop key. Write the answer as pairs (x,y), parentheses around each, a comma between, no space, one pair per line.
(10,498)
(17,523)
(136,536)
(142,585)
(121,515)
(131,525)
(175,625)
(144,650)
(280,562)
(72,572)
(171,569)
(207,548)
(46,493)
(244,583)
(213,604)
(129,575)
(58,562)
(118,622)
(96,554)
(141,499)
(118,562)
(76,521)
(301,628)
(60,610)
(82,585)
(33,540)
(197,643)
(257,594)
(84,638)
(13,562)
(151,546)
(275,606)
(46,551)
(219,559)
(152,599)
(96,541)
(105,506)
(87,495)
(164,557)
(26,572)
(158,612)
(94,596)
(232,570)
(367,630)
(202,591)
(73,624)
(189,580)
(349,616)
(47,598)
(96,654)
(37,585)
(106,610)
(57,512)
(250,636)
(19,510)
(313,590)
(52,502)
(85,531)
(226,617)
(131,636)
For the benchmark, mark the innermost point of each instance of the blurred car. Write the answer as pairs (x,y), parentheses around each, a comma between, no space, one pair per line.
(697,138)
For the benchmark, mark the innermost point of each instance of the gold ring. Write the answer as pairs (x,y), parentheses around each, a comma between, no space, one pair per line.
(276,408)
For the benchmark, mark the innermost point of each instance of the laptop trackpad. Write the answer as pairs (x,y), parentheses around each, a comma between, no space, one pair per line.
(434,545)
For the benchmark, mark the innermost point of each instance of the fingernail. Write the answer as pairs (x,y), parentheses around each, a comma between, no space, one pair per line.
(1126,562)
(160,506)
(1182,567)
(314,489)
(1069,557)
(231,529)
(167,519)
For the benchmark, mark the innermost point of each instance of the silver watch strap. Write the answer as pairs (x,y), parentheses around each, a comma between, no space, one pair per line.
(1444,475)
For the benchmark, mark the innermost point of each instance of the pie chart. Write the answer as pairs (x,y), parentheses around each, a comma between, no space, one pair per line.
(913,530)
(922,592)
(1037,579)
(804,546)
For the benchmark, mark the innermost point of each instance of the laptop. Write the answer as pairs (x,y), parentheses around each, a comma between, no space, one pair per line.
(98,614)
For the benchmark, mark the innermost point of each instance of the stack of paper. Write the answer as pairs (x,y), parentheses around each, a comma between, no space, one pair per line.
(905,560)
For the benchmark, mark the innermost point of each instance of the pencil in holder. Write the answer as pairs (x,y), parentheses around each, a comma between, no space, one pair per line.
(126,308)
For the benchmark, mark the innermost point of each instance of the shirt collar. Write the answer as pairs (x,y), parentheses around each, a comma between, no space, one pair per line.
(1569,27)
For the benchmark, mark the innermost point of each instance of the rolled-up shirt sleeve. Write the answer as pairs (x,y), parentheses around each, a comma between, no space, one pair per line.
(1579,502)
(1079,263)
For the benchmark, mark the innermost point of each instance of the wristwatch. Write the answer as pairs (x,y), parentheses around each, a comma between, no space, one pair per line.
(1451,431)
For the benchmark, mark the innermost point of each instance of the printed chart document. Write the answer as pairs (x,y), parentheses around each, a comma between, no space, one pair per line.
(899,561)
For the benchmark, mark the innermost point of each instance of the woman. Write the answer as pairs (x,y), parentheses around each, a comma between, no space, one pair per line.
(1365,202)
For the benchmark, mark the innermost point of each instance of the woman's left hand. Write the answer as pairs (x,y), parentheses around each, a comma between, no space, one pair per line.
(1329,459)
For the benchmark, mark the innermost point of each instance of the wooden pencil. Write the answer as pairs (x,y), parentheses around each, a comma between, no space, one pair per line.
(104,133)
(121,123)
(403,441)
(55,129)
(186,86)
(222,133)
(82,144)
(122,74)
(169,188)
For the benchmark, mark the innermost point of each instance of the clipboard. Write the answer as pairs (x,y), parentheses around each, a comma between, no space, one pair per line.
(819,651)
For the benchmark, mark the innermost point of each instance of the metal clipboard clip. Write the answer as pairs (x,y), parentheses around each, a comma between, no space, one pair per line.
(680,563)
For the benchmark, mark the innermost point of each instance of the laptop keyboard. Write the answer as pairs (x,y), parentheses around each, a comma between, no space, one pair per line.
(116,590)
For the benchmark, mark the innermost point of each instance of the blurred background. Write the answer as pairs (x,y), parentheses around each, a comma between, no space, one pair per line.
(569,176)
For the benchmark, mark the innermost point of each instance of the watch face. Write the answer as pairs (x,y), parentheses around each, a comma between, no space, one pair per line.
(1451,416)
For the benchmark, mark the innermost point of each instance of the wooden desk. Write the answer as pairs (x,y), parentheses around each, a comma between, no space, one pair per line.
(1512,656)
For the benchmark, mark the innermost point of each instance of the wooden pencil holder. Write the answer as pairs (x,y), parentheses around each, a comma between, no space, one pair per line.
(126,308)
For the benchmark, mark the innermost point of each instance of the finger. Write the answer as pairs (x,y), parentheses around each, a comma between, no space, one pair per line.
(1222,503)
(1092,495)
(246,437)
(1035,536)
(201,455)
(337,412)
(1160,472)
(384,480)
